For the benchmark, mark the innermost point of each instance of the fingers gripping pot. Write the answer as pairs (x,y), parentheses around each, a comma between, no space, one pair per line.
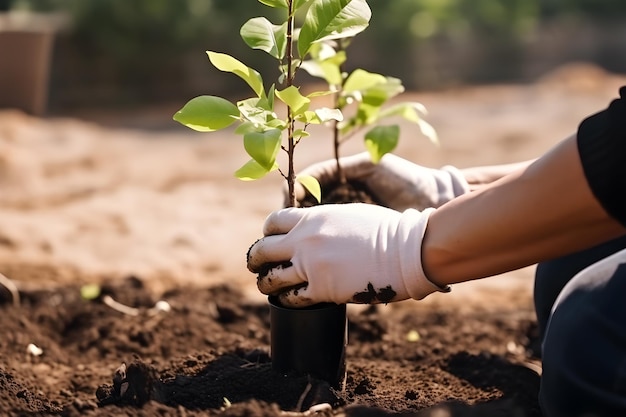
(310,341)
(374,249)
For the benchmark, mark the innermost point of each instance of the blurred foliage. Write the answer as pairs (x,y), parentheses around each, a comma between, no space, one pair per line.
(426,18)
(139,45)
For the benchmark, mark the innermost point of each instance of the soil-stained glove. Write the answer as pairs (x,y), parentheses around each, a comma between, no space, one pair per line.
(394,182)
(346,253)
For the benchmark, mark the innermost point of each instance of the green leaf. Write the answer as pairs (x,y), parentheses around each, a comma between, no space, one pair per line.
(390,88)
(332,19)
(320,93)
(321,51)
(291,97)
(308,117)
(326,114)
(312,186)
(227,63)
(428,131)
(275,3)
(319,116)
(251,171)
(381,140)
(326,70)
(325,63)
(367,114)
(207,114)
(253,110)
(246,127)
(90,291)
(361,80)
(300,3)
(263,146)
(260,33)
(412,111)
(300,133)
(379,94)
(270,97)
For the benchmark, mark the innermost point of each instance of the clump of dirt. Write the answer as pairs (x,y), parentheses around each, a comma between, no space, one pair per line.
(341,193)
(209,356)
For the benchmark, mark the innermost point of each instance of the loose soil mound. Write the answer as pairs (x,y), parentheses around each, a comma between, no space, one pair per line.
(208,356)
(100,196)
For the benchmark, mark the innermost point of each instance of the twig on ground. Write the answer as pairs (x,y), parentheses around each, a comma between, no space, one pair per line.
(10,285)
(122,308)
(161,306)
(317,408)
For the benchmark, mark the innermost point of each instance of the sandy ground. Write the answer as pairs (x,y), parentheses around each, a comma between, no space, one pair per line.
(92,195)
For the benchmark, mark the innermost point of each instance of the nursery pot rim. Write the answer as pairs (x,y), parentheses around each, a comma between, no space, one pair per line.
(275,302)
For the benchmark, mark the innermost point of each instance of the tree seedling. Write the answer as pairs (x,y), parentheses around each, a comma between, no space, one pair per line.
(318,46)
(264,132)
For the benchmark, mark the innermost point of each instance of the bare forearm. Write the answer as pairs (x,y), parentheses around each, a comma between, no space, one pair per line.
(540,211)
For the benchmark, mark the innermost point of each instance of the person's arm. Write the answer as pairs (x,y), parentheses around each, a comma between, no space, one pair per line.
(569,199)
(478,177)
(399,184)
(541,211)
(366,254)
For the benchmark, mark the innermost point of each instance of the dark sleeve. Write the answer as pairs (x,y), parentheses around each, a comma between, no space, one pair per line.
(602,148)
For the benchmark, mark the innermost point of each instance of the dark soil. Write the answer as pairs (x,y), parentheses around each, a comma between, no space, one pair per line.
(208,356)
(340,193)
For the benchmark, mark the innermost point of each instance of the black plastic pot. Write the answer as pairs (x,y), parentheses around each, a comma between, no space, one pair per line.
(310,341)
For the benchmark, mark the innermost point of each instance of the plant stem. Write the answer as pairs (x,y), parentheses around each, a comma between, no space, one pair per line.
(291,176)
(336,134)
(336,142)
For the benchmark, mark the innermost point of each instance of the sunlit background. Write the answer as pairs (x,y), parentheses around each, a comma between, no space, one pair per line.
(128,53)
(97,180)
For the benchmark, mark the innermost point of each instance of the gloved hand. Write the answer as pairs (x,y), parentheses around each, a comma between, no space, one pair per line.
(394,182)
(346,253)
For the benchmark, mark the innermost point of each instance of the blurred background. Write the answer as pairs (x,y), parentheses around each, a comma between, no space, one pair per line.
(98,181)
(121,53)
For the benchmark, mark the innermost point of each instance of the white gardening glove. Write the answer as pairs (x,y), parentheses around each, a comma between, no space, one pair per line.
(342,253)
(394,182)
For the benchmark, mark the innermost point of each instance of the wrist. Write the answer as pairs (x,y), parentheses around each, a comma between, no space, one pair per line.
(416,282)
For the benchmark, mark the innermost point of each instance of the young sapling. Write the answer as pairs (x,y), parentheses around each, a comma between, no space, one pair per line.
(302,339)
(264,132)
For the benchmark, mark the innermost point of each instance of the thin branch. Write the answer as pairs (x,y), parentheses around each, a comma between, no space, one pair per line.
(316,409)
(117,306)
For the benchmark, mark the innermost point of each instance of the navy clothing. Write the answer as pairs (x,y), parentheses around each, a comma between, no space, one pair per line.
(552,276)
(602,149)
(580,299)
(584,345)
